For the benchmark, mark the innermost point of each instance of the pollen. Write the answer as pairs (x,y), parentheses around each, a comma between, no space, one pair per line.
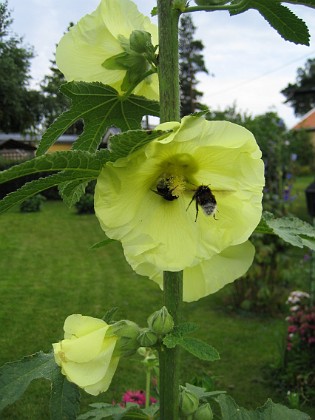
(176,184)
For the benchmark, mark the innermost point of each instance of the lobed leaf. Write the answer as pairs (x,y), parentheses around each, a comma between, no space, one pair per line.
(100,106)
(269,411)
(15,377)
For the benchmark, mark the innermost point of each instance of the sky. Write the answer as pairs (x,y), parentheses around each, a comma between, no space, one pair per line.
(248,62)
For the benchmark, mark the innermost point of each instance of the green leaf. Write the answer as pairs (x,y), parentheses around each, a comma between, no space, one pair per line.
(58,161)
(15,377)
(185,328)
(199,349)
(72,191)
(109,315)
(122,145)
(292,230)
(269,411)
(308,3)
(101,411)
(283,20)
(39,185)
(194,346)
(100,106)
(65,398)
(201,393)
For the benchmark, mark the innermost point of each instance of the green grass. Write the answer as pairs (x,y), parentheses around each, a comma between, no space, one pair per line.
(48,271)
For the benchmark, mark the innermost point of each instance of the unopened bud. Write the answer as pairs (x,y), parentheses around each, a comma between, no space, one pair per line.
(147,338)
(203,412)
(161,322)
(188,402)
(140,41)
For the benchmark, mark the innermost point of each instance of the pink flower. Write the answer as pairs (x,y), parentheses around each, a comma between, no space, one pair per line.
(292,328)
(137,397)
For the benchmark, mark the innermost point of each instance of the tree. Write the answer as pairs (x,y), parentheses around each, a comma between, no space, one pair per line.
(20,107)
(190,62)
(301,95)
(55,102)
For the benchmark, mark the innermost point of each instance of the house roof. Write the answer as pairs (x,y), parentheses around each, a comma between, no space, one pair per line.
(307,121)
(14,144)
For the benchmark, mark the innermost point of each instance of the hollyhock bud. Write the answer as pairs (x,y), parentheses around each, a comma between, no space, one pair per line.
(161,322)
(188,402)
(147,337)
(203,412)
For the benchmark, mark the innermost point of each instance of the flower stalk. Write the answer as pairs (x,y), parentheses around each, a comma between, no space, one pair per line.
(173,281)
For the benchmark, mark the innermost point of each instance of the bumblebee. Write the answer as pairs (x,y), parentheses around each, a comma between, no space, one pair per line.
(163,189)
(205,199)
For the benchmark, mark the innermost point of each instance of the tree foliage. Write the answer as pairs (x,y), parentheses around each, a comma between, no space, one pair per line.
(20,107)
(301,94)
(191,62)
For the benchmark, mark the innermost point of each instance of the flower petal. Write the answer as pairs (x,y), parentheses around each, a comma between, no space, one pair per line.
(92,372)
(210,275)
(166,233)
(78,325)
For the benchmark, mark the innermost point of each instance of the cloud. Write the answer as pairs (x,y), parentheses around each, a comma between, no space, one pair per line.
(239,50)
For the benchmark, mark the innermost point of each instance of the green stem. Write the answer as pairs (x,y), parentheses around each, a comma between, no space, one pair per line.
(230,8)
(168,70)
(131,89)
(169,358)
(147,387)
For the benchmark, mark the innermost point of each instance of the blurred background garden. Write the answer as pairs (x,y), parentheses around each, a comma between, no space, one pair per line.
(48,268)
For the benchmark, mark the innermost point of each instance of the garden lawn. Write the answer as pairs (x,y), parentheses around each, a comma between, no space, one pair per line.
(48,271)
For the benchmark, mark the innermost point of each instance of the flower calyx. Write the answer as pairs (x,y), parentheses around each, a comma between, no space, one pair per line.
(127,333)
(138,58)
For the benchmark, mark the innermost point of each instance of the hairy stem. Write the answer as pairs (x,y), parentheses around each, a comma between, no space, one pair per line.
(168,70)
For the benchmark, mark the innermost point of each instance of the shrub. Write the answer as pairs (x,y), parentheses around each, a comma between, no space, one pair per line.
(86,204)
(32,204)
(297,372)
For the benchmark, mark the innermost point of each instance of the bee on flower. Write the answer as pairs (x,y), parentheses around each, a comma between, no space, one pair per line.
(143,201)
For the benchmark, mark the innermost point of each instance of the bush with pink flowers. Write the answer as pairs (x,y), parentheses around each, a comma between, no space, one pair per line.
(298,371)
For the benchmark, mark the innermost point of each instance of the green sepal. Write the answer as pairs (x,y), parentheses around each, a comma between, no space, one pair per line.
(102,243)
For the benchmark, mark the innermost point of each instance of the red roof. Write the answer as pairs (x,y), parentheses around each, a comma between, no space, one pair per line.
(308,121)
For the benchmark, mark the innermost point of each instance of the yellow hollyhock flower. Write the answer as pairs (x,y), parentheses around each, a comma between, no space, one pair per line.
(143,199)
(83,52)
(209,275)
(86,354)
